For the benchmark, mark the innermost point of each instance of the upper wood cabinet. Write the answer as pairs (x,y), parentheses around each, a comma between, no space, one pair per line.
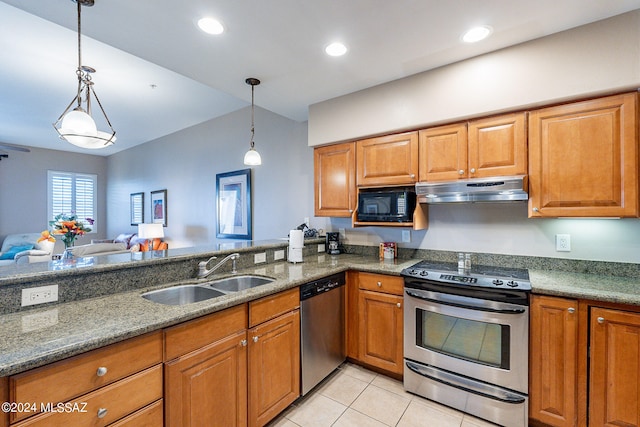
(335,179)
(493,146)
(583,159)
(553,359)
(387,160)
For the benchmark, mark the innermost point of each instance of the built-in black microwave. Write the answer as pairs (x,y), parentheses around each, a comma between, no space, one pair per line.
(386,205)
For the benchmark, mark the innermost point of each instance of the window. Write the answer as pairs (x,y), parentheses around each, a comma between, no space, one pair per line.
(70,192)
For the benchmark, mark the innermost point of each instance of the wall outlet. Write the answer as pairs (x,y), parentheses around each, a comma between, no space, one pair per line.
(39,295)
(259,258)
(279,254)
(406,236)
(563,242)
(321,247)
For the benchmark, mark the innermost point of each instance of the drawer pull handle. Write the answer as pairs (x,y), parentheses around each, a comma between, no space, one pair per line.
(255,339)
(102,412)
(600,320)
(379,284)
(101,372)
(571,310)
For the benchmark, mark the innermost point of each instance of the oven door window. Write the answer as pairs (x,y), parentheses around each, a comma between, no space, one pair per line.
(480,342)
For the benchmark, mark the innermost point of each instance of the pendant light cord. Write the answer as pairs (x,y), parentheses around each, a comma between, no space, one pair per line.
(252,125)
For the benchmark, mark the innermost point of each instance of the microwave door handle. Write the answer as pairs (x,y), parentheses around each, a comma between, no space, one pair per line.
(465,302)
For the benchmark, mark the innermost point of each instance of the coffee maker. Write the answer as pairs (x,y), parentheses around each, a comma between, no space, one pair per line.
(333,243)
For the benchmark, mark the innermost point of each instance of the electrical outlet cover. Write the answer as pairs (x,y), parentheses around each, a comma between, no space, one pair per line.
(563,242)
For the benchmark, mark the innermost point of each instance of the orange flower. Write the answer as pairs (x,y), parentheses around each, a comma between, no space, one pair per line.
(45,235)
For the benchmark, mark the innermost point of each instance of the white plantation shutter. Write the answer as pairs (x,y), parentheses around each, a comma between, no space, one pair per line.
(71,192)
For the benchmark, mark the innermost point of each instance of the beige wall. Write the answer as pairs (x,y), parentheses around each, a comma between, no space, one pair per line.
(593,59)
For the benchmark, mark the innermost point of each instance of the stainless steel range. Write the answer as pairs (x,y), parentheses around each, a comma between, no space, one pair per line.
(466,342)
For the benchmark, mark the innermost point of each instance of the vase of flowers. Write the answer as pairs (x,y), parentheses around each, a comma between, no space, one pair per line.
(69,227)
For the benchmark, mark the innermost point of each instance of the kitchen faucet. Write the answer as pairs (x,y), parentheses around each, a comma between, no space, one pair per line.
(202,266)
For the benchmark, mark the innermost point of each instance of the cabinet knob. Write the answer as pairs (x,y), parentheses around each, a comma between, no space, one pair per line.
(413,175)
(536,210)
(600,320)
(379,284)
(571,310)
(255,339)
(399,305)
(101,372)
(243,343)
(461,172)
(102,412)
(473,170)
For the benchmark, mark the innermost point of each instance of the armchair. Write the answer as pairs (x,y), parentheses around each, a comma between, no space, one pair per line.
(32,250)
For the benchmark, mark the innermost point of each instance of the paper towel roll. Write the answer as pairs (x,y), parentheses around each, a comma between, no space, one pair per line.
(296,239)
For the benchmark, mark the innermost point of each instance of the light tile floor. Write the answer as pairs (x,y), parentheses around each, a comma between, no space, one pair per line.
(356,397)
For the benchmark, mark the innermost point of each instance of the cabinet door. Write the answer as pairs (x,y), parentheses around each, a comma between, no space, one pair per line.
(387,160)
(335,179)
(498,146)
(381,322)
(443,153)
(614,374)
(583,159)
(274,367)
(553,357)
(208,387)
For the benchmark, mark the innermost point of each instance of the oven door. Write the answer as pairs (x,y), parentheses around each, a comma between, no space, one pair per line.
(476,338)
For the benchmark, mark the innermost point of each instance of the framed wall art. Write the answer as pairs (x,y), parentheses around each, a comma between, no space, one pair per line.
(233,204)
(137,208)
(159,207)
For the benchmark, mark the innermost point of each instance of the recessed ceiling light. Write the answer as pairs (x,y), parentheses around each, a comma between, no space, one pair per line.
(336,49)
(476,34)
(210,26)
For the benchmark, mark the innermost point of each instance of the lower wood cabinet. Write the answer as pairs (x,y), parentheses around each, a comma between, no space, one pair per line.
(614,369)
(113,385)
(274,367)
(209,386)
(585,363)
(375,336)
(553,355)
(218,373)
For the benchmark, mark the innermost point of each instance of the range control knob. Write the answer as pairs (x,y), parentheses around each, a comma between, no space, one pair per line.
(424,273)
(498,282)
(412,271)
(512,283)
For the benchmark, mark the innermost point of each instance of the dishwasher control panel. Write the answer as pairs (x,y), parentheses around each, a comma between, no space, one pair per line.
(311,289)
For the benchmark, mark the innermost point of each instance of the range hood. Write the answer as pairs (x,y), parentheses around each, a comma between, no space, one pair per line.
(498,189)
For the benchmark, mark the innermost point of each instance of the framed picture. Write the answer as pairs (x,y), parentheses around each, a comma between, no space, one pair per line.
(233,204)
(159,207)
(137,208)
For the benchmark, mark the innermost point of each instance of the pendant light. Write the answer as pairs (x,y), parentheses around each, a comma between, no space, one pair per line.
(252,157)
(75,125)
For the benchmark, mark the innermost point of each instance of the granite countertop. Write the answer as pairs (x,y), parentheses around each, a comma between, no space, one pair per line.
(40,336)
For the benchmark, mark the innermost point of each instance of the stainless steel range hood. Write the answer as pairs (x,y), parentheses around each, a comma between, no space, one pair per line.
(498,189)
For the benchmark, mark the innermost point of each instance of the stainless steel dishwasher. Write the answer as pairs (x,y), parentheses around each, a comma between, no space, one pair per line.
(322,329)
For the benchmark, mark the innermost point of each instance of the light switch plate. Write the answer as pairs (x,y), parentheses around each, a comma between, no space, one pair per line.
(259,258)
(279,254)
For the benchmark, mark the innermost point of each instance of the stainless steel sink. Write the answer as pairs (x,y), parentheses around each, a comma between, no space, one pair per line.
(239,283)
(181,295)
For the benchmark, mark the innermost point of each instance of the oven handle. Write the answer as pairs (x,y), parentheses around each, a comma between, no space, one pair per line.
(466,302)
(466,384)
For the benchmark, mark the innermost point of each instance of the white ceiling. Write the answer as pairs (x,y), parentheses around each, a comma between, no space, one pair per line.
(140,43)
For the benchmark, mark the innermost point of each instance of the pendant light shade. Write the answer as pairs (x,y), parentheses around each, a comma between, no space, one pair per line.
(252,157)
(76,125)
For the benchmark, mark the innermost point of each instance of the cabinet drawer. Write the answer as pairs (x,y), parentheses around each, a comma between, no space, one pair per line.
(64,380)
(189,336)
(150,416)
(112,402)
(272,306)
(381,283)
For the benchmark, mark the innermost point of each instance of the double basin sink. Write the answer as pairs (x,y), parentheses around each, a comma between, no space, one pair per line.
(190,293)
